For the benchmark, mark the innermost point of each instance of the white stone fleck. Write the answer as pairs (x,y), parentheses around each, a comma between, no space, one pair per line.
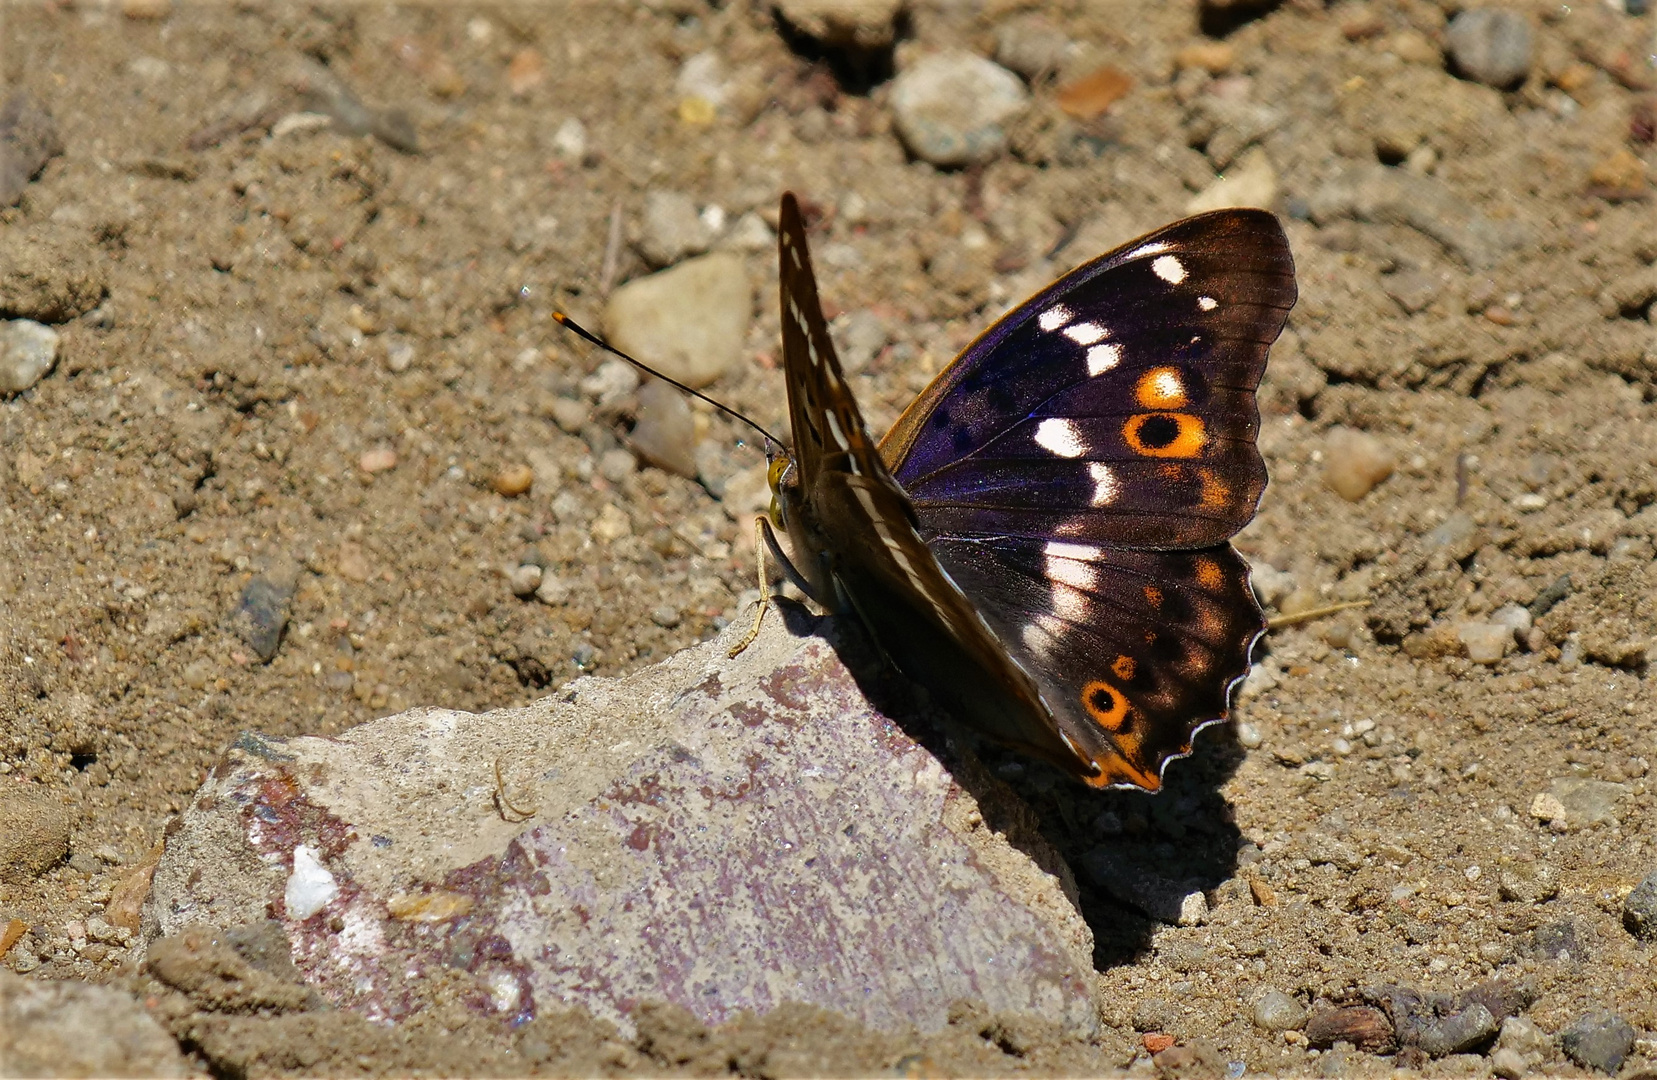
(310,887)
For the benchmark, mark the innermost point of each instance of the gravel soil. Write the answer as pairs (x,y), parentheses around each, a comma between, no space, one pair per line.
(299,366)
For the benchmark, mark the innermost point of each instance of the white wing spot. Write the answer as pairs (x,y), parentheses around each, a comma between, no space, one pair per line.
(1105,485)
(1149,249)
(1054,317)
(1169,269)
(1058,549)
(1101,358)
(1078,575)
(1060,437)
(1085,333)
(1207,303)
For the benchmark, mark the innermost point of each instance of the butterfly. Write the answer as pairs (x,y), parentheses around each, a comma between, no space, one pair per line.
(1042,538)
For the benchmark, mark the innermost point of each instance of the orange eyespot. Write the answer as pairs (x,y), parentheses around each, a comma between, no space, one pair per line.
(1106,705)
(1165,434)
(1123,668)
(1162,388)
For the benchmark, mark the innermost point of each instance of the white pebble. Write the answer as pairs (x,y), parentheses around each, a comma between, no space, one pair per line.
(1486,643)
(524,580)
(310,887)
(27,352)
(1355,462)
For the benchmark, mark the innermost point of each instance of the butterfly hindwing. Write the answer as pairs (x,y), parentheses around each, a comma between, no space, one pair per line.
(1133,649)
(1116,406)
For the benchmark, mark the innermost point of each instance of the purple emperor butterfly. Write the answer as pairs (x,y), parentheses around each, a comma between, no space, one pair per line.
(1042,538)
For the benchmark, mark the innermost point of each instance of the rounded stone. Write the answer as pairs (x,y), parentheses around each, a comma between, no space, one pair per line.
(1639,909)
(34,832)
(1598,1040)
(672,228)
(665,434)
(949,108)
(1355,462)
(524,580)
(513,480)
(1486,643)
(1491,46)
(1277,1011)
(690,322)
(28,350)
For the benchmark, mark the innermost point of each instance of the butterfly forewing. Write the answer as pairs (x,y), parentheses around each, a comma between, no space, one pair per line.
(1041,538)
(1079,469)
(1117,406)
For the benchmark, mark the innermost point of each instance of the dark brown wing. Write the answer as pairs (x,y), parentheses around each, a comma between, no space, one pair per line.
(851,514)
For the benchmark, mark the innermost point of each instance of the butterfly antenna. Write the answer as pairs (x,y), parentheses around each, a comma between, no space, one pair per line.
(587,335)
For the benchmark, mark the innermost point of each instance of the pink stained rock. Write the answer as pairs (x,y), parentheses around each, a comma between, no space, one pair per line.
(718,834)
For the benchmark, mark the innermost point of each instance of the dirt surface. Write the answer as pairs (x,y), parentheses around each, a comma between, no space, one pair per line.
(254,308)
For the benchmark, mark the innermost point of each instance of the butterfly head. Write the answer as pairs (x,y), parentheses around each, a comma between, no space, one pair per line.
(782,477)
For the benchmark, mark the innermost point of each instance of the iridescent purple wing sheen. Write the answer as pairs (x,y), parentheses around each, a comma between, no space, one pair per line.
(1116,406)
(1079,469)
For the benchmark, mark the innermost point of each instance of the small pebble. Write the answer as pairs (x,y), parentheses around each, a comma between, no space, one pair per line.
(665,616)
(858,338)
(399,357)
(1576,802)
(854,24)
(1508,1064)
(1639,909)
(311,886)
(1089,97)
(1248,735)
(665,434)
(1486,643)
(353,562)
(1524,1038)
(689,322)
(672,229)
(1515,618)
(1251,180)
(570,140)
(1031,45)
(28,350)
(612,524)
(1620,176)
(1599,1040)
(1277,1011)
(29,138)
(569,414)
(1271,585)
(1491,46)
(524,580)
(1412,290)
(553,589)
(1457,1033)
(1527,883)
(525,72)
(1364,1026)
(1355,462)
(262,612)
(380,459)
(513,480)
(612,381)
(617,465)
(1214,57)
(949,108)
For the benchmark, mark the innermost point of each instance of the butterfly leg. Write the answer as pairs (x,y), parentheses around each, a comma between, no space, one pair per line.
(766,538)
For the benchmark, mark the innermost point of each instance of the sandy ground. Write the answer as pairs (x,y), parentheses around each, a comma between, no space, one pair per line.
(269,313)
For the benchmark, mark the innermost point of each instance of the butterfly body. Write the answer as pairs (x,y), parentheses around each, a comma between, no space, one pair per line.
(1041,539)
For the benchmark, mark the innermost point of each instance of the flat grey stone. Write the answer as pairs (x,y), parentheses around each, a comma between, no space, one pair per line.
(717,834)
(28,350)
(950,107)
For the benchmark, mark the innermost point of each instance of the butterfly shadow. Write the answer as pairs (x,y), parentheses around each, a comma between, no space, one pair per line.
(1135,857)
